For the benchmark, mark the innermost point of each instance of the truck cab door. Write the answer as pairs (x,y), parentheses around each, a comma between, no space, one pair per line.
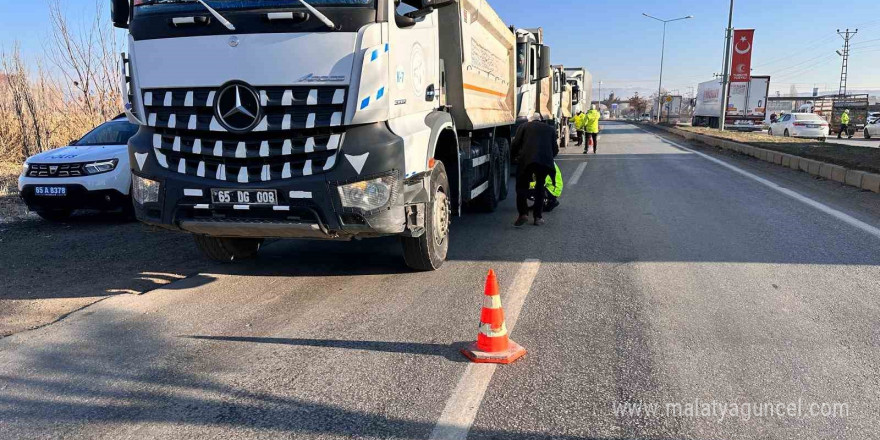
(414,62)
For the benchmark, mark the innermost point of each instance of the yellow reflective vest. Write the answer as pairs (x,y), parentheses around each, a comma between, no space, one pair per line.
(552,185)
(593,121)
(580,122)
(844,118)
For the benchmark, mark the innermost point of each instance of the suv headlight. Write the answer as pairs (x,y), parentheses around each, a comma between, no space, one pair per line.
(368,194)
(101,166)
(144,190)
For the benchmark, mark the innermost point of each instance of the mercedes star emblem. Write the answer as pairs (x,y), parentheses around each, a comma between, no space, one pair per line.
(238,107)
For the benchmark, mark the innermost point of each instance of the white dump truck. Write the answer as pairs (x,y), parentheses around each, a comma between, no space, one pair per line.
(319,119)
(581,82)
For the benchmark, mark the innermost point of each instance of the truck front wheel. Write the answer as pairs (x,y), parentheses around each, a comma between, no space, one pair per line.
(428,252)
(228,250)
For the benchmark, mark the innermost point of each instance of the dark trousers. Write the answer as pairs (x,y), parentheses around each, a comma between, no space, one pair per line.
(595,138)
(523,180)
(844,130)
(580,138)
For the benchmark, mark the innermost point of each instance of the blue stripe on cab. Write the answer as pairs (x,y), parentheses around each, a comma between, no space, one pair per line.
(380,94)
(365,103)
(374,56)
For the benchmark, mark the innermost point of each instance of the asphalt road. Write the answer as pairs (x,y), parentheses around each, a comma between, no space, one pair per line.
(664,279)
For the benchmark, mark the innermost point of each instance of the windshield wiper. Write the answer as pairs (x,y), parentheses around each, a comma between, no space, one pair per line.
(213,12)
(318,14)
(217,15)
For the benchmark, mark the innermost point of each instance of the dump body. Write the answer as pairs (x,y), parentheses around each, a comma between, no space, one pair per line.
(478,53)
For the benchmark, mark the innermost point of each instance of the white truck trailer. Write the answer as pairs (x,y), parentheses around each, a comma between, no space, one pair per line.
(746,108)
(320,119)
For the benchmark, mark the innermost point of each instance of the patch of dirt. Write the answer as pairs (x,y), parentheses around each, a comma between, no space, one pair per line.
(852,157)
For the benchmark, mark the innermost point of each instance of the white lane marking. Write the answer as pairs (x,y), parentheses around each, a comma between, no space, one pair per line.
(578,173)
(462,406)
(846,218)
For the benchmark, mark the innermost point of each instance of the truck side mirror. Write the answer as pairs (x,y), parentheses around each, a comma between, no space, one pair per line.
(544,68)
(436,3)
(120,11)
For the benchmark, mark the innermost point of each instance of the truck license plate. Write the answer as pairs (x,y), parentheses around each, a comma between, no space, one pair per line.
(50,191)
(267,197)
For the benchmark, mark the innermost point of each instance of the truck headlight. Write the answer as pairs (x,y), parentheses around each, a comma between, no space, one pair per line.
(101,166)
(368,194)
(144,190)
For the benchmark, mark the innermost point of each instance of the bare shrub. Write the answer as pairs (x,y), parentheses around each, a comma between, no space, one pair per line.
(71,88)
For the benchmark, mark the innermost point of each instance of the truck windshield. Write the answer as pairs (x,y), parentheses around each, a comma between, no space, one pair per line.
(226,5)
(521,53)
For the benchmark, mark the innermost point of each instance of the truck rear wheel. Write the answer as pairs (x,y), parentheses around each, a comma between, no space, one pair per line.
(428,252)
(228,250)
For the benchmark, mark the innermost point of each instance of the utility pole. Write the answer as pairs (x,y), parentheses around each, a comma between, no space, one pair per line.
(725,86)
(845,54)
(600,96)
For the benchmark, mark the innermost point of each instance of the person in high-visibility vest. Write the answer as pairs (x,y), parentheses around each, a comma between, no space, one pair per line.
(580,123)
(552,189)
(844,123)
(592,129)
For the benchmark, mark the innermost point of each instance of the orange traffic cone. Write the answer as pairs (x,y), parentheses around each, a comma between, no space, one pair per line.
(493,345)
(590,144)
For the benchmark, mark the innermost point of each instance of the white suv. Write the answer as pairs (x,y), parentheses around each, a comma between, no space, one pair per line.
(90,173)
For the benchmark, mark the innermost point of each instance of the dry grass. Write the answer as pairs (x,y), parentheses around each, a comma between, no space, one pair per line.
(857,158)
(11,206)
(748,137)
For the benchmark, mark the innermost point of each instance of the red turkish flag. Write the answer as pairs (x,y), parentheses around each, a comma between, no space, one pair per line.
(741,65)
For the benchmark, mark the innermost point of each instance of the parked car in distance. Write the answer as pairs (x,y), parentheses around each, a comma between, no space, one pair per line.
(873,117)
(90,173)
(872,129)
(804,125)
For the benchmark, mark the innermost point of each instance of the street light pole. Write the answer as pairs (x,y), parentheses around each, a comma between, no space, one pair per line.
(662,58)
(725,86)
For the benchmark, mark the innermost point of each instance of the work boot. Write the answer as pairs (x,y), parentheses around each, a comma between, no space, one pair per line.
(539,221)
(521,220)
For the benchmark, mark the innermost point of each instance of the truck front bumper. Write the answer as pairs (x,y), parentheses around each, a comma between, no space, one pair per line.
(307,206)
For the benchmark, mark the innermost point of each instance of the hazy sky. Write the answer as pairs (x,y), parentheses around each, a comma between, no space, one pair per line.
(795,45)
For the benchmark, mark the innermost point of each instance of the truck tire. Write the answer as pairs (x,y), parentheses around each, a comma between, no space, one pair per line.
(55,215)
(228,250)
(428,252)
(504,162)
(488,201)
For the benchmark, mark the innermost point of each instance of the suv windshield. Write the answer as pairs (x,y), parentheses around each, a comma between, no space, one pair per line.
(110,133)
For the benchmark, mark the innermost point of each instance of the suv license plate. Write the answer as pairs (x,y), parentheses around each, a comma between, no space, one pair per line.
(50,191)
(265,197)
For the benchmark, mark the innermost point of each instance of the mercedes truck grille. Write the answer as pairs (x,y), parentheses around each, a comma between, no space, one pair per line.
(299,134)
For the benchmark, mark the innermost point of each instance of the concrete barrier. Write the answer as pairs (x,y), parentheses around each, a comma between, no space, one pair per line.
(854,178)
(871,182)
(859,179)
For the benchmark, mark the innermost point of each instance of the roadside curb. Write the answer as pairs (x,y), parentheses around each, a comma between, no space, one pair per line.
(859,179)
